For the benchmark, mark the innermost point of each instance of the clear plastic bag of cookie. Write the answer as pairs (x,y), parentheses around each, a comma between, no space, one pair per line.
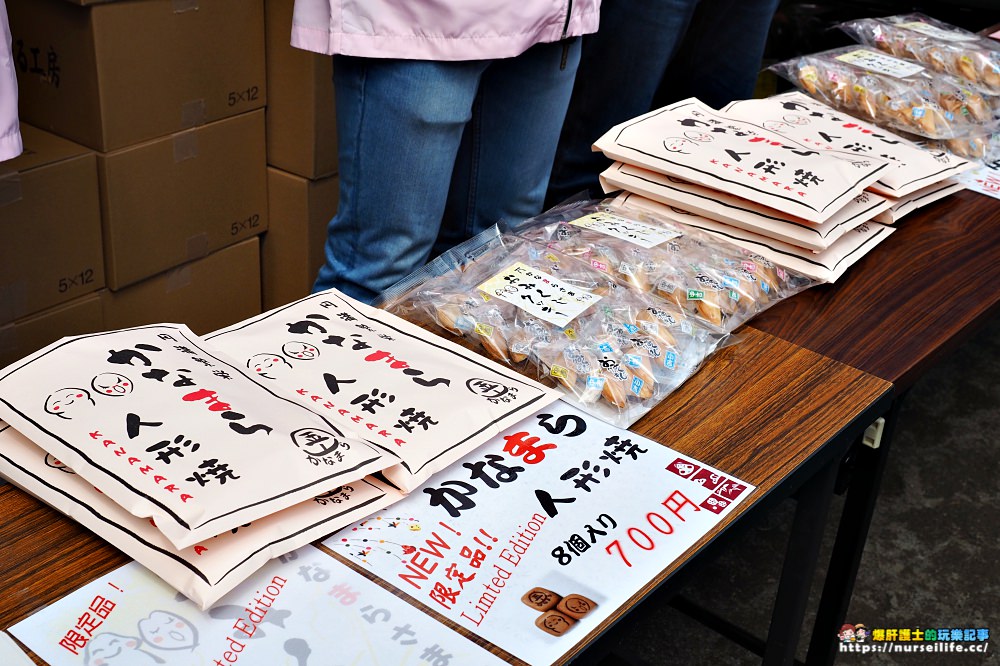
(627,260)
(984,149)
(573,326)
(700,275)
(716,282)
(898,94)
(940,46)
(632,248)
(626,356)
(433,297)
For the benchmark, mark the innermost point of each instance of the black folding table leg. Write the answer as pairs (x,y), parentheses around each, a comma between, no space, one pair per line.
(799,566)
(859,506)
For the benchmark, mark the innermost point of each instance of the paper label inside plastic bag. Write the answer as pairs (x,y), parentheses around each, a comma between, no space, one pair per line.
(539,294)
(938,33)
(881,63)
(632,231)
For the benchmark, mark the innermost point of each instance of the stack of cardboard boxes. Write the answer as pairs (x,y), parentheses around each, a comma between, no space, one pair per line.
(302,161)
(143,188)
(152,188)
(51,258)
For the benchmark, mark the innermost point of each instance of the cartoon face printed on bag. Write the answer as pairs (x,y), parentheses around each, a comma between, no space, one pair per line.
(700,137)
(110,649)
(300,351)
(166,631)
(679,144)
(111,384)
(267,365)
(55,463)
(68,402)
(776,126)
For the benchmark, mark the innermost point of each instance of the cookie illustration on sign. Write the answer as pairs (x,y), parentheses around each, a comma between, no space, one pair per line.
(554,622)
(575,606)
(541,599)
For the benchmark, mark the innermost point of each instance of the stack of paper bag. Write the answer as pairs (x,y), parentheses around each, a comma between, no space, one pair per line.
(919,175)
(203,458)
(781,176)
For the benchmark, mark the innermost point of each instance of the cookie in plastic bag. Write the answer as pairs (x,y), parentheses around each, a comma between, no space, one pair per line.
(891,92)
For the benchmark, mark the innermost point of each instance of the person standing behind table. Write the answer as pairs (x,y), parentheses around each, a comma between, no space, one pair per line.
(650,53)
(10,132)
(448,115)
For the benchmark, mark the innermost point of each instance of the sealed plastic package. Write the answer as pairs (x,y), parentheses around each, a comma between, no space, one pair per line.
(891,92)
(940,46)
(613,351)
(707,279)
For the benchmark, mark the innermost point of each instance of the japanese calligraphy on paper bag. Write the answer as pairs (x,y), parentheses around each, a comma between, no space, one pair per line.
(175,432)
(691,141)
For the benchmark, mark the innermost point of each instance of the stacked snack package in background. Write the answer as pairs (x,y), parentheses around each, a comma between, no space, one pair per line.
(940,46)
(943,48)
(902,95)
(826,266)
(684,197)
(912,74)
(691,141)
(205,571)
(804,119)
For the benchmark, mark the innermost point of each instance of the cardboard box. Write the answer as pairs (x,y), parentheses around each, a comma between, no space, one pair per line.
(175,199)
(301,121)
(50,225)
(113,74)
(28,335)
(220,289)
(292,248)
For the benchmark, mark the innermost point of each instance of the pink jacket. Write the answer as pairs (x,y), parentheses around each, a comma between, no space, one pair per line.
(438,29)
(10,133)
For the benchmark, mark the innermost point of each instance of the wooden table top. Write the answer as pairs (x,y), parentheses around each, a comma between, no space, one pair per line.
(913,298)
(760,409)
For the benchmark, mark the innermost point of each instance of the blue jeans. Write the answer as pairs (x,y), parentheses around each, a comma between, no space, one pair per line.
(432,153)
(649,53)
